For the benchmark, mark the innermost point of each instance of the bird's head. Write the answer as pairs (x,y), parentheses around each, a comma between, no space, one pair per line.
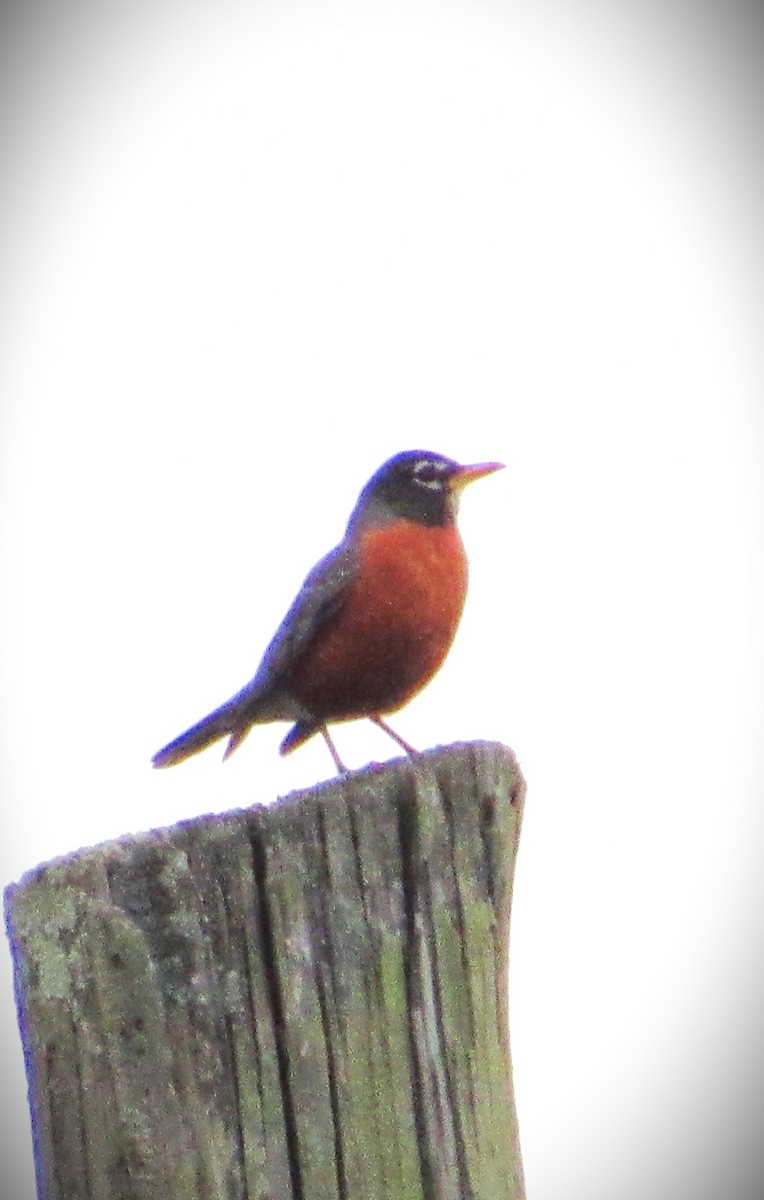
(416,485)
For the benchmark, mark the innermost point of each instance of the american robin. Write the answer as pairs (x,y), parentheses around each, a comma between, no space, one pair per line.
(373,620)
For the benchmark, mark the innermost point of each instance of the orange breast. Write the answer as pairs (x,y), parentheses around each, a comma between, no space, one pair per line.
(395,625)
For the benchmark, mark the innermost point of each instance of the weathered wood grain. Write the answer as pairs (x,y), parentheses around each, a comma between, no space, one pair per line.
(305,1001)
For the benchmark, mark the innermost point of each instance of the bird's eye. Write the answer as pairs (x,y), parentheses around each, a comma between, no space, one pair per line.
(428,474)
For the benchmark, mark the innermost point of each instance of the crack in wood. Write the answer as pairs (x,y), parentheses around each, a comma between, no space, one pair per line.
(325,962)
(276,1000)
(409,889)
(238,1115)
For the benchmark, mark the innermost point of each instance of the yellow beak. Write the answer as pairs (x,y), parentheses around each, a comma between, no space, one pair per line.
(468,474)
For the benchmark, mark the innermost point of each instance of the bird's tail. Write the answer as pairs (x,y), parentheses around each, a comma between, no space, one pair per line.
(299,733)
(218,724)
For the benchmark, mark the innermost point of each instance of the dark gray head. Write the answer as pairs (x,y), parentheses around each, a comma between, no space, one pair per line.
(416,485)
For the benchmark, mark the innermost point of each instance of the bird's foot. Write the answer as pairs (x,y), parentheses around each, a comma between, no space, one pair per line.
(339,764)
(412,753)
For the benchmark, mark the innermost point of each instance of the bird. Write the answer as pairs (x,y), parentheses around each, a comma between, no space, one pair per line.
(372,622)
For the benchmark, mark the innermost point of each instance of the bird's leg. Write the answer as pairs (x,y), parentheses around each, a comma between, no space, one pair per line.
(339,764)
(412,753)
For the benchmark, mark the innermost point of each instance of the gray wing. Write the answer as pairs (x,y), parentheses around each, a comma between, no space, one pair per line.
(319,598)
(265,698)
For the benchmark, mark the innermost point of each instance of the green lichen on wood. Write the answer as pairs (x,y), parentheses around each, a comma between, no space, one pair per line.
(305,1001)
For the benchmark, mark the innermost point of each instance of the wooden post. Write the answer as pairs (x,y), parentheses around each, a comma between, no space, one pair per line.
(298,1002)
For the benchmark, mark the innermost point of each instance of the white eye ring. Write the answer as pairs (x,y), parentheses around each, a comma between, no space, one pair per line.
(427,474)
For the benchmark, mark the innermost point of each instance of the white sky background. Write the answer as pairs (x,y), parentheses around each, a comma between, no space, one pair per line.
(250,251)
